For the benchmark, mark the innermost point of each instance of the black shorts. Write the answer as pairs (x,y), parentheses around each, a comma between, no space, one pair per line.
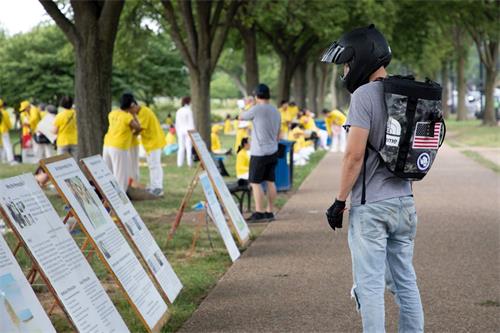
(262,168)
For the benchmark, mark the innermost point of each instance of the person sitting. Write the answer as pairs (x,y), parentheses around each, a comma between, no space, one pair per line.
(307,121)
(285,118)
(334,121)
(302,149)
(171,146)
(228,127)
(292,110)
(242,131)
(243,161)
(215,141)
(169,121)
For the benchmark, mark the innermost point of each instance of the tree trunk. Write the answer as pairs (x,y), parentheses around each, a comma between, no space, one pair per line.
(461,108)
(312,87)
(333,87)
(323,80)
(237,81)
(200,97)
(284,79)
(444,84)
(299,85)
(489,117)
(93,69)
(249,36)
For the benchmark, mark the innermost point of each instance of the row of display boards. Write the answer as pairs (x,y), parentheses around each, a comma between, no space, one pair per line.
(141,271)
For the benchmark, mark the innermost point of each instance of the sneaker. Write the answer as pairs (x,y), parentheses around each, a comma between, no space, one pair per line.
(269,216)
(257,217)
(157,192)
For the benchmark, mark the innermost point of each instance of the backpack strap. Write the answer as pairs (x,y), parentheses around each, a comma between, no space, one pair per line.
(363,190)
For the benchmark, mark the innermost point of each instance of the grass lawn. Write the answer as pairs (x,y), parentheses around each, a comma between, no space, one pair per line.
(471,133)
(198,272)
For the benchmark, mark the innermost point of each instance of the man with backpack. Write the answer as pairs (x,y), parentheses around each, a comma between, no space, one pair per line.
(382,218)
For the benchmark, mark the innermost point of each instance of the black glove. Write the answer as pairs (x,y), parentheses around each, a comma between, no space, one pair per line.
(335,213)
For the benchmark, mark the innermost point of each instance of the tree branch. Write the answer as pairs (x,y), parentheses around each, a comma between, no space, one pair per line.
(218,42)
(61,20)
(176,34)
(109,20)
(192,36)
(215,19)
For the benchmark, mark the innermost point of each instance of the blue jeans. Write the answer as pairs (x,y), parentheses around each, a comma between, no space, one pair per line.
(381,238)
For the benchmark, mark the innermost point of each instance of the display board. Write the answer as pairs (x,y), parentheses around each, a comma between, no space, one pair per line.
(108,241)
(237,220)
(134,226)
(46,127)
(217,216)
(20,310)
(57,257)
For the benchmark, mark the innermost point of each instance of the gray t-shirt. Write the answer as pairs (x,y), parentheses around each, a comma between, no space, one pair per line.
(266,128)
(367,110)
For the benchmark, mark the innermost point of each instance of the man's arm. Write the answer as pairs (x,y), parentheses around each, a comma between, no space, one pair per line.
(247,115)
(353,160)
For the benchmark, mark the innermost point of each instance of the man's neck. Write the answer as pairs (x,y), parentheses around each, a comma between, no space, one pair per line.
(381,72)
(262,101)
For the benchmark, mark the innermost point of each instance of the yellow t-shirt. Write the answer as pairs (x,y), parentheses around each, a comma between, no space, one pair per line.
(119,133)
(240,134)
(308,123)
(242,163)
(35,117)
(215,142)
(227,126)
(285,120)
(169,121)
(152,135)
(334,118)
(67,134)
(170,138)
(26,127)
(293,111)
(5,124)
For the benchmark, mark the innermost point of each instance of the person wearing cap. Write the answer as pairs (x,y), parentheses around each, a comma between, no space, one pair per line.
(118,140)
(30,117)
(65,127)
(266,122)
(5,127)
(184,122)
(153,140)
(382,217)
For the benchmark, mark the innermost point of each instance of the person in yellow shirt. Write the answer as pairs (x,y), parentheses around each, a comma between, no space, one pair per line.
(334,121)
(30,117)
(302,149)
(215,141)
(66,128)
(169,121)
(285,118)
(228,127)
(293,111)
(306,119)
(118,140)
(153,140)
(241,133)
(243,161)
(5,127)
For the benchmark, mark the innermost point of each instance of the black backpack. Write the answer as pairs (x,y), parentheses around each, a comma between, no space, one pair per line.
(415,127)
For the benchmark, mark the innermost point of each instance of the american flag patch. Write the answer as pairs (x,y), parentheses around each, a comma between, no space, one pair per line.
(427,135)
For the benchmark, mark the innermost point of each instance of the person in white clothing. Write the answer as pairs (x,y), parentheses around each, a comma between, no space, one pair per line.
(5,127)
(184,122)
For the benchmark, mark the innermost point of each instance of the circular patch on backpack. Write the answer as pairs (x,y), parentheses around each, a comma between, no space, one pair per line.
(423,161)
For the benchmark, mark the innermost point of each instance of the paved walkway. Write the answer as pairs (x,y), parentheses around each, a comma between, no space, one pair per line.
(296,277)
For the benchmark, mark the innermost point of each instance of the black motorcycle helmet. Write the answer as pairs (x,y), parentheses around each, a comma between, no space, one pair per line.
(364,49)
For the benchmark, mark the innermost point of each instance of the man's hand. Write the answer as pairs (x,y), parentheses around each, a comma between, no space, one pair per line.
(335,213)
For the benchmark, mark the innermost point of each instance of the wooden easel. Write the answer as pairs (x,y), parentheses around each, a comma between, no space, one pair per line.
(90,241)
(201,152)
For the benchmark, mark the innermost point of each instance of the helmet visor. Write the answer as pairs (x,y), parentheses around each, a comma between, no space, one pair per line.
(337,53)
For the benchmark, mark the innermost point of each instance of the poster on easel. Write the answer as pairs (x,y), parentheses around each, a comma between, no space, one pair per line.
(108,241)
(225,197)
(215,213)
(131,222)
(57,257)
(20,310)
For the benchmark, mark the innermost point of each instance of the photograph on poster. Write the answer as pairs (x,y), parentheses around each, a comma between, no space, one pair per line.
(104,249)
(130,228)
(86,201)
(12,298)
(118,191)
(17,209)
